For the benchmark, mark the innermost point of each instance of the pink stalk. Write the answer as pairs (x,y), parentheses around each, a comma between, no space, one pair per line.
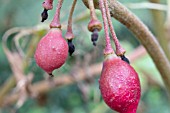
(56,20)
(69,34)
(92,10)
(119,49)
(108,49)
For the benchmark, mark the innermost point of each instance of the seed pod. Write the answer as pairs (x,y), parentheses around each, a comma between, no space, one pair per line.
(119,85)
(52,51)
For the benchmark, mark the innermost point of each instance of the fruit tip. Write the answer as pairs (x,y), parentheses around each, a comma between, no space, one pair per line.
(71,47)
(44,15)
(125,59)
(94,36)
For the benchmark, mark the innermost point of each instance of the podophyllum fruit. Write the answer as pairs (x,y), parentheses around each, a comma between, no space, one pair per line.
(52,51)
(119,85)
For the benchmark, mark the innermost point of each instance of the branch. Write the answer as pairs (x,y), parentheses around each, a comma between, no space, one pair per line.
(147,5)
(167,24)
(160,31)
(147,39)
(62,80)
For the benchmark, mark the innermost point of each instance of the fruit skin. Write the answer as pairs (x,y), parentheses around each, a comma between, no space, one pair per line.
(119,85)
(52,51)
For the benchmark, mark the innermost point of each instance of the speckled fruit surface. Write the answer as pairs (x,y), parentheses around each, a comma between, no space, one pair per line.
(119,85)
(52,51)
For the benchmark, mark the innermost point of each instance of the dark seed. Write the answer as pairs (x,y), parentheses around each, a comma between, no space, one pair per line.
(44,15)
(71,47)
(94,37)
(125,59)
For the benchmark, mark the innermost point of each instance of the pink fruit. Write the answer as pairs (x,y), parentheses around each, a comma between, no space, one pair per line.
(119,85)
(52,51)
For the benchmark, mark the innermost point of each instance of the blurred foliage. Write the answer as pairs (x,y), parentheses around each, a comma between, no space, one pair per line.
(69,99)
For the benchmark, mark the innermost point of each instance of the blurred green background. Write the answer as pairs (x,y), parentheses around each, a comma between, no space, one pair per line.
(83,96)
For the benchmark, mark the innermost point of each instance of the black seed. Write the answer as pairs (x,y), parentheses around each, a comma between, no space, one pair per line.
(71,47)
(125,59)
(94,37)
(44,15)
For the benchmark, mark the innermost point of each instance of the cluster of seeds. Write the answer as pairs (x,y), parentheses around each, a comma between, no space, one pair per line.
(119,83)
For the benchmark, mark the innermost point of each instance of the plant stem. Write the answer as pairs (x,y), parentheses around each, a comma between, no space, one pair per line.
(56,20)
(108,49)
(6,87)
(69,34)
(119,49)
(167,26)
(92,10)
(147,39)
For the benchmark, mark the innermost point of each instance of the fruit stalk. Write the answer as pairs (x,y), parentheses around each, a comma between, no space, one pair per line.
(120,51)
(92,10)
(56,20)
(69,34)
(108,48)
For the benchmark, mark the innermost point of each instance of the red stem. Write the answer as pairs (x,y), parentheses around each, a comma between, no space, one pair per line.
(56,20)
(108,49)
(119,49)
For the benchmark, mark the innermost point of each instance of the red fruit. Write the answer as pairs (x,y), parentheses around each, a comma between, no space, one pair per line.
(52,51)
(119,85)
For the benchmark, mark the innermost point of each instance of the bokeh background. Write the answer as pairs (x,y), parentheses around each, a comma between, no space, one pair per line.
(81,96)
